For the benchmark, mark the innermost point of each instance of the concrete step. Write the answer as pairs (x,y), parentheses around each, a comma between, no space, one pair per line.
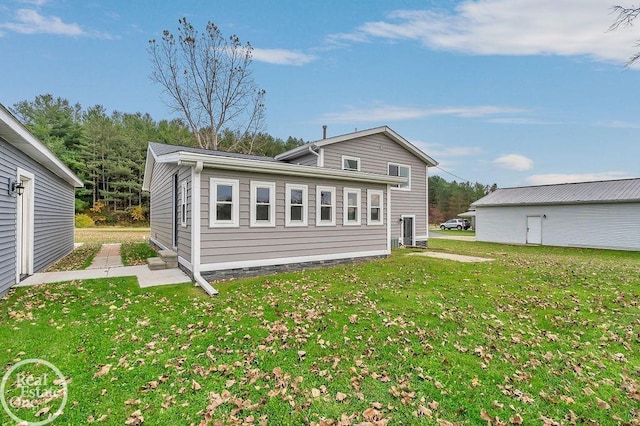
(170,258)
(156,263)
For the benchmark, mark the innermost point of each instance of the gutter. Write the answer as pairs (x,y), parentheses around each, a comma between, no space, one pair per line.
(285,169)
(195,230)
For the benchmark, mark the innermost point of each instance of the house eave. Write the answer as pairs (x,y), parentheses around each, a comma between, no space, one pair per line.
(286,169)
(301,150)
(562,203)
(17,135)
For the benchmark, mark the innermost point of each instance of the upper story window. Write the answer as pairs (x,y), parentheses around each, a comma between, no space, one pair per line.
(403,171)
(224,202)
(183,204)
(375,206)
(351,206)
(296,205)
(350,163)
(325,206)
(263,203)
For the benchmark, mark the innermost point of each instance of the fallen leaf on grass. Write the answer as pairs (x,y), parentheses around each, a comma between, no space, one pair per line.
(103,371)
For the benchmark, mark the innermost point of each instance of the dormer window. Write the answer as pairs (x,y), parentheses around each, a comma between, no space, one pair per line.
(350,163)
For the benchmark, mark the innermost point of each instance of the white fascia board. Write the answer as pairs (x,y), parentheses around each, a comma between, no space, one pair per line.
(10,127)
(148,168)
(278,168)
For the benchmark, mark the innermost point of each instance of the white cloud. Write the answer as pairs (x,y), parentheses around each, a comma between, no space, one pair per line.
(509,27)
(282,57)
(28,21)
(448,151)
(549,179)
(514,162)
(388,113)
(618,124)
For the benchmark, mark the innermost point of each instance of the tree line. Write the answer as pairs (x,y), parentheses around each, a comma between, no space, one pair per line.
(448,199)
(107,151)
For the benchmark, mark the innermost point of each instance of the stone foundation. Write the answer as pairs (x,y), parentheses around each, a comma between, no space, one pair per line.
(274,269)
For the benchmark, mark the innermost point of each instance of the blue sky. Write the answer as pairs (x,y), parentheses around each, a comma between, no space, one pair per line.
(516,92)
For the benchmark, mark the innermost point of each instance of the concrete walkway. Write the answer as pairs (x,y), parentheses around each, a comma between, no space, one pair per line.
(108,264)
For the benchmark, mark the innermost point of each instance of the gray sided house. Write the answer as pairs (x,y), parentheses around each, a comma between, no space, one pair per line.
(36,204)
(603,214)
(223,212)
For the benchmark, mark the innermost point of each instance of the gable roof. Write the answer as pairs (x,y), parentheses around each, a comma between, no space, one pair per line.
(172,154)
(608,191)
(301,150)
(17,135)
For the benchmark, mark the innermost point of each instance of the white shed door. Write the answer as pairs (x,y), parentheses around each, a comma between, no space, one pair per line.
(534,230)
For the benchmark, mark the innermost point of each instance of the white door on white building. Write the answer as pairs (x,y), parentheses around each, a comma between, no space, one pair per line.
(534,230)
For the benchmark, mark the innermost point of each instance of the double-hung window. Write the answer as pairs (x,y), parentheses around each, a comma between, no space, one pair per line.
(375,207)
(351,206)
(350,163)
(224,202)
(325,206)
(296,205)
(402,171)
(263,203)
(183,204)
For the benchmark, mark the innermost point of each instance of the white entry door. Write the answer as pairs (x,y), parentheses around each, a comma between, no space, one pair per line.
(24,225)
(534,230)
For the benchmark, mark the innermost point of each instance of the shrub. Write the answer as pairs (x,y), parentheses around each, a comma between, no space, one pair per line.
(84,221)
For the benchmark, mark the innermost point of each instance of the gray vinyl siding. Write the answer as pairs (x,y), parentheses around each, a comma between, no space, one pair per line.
(53,215)
(611,226)
(245,243)
(161,208)
(184,233)
(308,159)
(375,152)
(161,204)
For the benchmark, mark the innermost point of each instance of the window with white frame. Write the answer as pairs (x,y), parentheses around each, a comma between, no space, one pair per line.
(402,171)
(350,163)
(224,202)
(296,205)
(351,206)
(375,207)
(183,204)
(263,203)
(325,206)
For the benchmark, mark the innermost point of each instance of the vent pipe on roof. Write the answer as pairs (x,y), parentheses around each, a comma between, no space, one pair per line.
(324,131)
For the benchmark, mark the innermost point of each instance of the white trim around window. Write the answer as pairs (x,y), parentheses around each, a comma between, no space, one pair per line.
(347,163)
(325,203)
(399,172)
(375,207)
(229,188)
(296,203)
(351,205)
(183,204)
(261,205)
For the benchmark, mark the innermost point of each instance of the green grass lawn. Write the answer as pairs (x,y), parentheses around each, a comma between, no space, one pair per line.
(540,335)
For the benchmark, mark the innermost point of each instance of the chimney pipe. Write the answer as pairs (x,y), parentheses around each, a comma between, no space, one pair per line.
(324,131)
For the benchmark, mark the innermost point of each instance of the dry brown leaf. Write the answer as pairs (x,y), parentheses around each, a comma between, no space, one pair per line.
(103,371)
(195,385)
(603,404)
(340,397)
(516,420)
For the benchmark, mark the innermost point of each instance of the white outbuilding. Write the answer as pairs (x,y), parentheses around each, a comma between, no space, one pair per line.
(602,214)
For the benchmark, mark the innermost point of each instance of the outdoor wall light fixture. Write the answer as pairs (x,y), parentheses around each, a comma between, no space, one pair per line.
(15,187)
(400,220)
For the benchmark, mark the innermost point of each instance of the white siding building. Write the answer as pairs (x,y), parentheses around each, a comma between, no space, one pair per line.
(603,214)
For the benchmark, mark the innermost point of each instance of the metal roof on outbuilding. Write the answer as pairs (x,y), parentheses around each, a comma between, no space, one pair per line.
(607,191)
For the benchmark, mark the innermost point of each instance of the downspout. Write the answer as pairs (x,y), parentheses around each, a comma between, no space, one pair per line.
(319,155)
(195,229)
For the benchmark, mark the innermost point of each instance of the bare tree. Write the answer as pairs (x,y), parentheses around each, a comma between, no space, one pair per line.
(208,80)
(625,18)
